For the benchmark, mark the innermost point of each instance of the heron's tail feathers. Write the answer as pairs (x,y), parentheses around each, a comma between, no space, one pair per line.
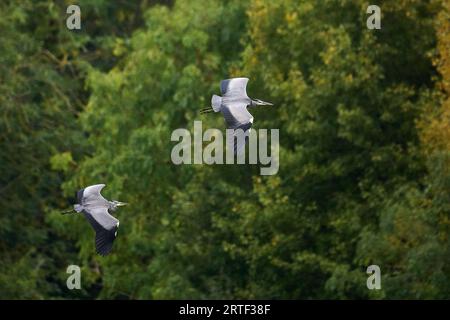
(216,103)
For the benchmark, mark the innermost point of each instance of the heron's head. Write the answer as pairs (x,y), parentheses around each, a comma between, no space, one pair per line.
(116,204)
(257,102)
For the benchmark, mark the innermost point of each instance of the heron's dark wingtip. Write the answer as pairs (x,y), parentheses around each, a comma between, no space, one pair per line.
(103,254)
(104,251)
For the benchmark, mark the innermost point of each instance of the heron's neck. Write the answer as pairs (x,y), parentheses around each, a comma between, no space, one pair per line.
(112,206)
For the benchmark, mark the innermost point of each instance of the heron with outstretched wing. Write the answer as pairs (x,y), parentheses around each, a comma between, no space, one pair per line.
(96,210)
(233,104)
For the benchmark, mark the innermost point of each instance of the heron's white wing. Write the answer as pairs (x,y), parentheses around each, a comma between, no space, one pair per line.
(239,143)
(238,118)
(90,196)
(234,87)
(105,226)
(236,114)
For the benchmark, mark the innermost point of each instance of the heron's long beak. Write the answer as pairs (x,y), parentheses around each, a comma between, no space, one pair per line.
(121,204)
(264,103)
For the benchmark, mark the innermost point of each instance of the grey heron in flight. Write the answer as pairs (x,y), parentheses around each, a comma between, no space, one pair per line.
(96,210)
(233,104)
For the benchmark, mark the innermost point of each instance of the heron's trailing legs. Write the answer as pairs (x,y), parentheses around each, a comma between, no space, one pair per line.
(68,211)
(206,110)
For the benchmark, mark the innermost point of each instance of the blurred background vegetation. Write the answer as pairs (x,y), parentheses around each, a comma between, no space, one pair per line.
(364,119)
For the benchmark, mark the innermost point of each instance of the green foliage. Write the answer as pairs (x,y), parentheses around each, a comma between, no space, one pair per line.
(354,188)
(38,103)
(41,93)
